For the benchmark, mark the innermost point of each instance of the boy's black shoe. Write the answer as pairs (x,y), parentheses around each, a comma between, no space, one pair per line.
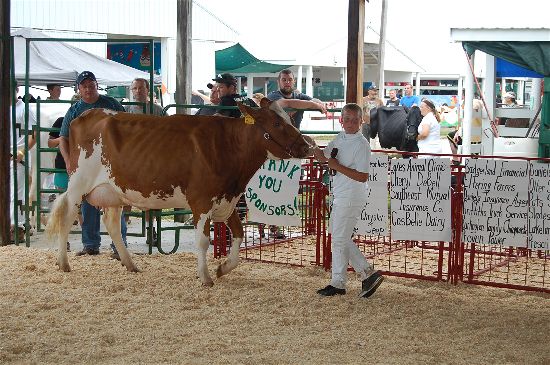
(370,284)
(329,291)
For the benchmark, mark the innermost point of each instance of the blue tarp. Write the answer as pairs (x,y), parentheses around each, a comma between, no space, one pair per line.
(508,69)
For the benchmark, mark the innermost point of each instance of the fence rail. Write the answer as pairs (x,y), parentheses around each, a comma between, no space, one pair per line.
(454,261)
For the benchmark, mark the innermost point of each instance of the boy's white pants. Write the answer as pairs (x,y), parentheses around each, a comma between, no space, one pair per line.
(343,218)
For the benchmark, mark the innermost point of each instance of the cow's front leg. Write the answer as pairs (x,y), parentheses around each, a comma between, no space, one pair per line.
(111,219)
(202,238)
(236,227)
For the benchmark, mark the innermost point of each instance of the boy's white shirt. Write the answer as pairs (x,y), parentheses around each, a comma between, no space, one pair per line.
(353,152)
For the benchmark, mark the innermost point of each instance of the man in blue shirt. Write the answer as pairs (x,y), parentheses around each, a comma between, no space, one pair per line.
(409,100)
(90,98)
(288,97)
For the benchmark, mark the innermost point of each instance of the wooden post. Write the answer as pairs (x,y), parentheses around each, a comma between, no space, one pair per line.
(183,53)
(183,64)
(356,36)
(5,123)
(382,51)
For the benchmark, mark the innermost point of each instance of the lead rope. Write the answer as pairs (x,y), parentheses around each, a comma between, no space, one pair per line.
(493,129)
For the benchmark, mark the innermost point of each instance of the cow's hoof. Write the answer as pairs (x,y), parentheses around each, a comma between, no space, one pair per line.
(133,269)
(208,283)
(219,271)
(64,267)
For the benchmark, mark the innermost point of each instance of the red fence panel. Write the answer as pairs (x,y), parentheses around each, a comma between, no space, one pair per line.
(456,261)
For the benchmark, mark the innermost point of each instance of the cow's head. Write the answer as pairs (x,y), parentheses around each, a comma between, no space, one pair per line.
(281,138)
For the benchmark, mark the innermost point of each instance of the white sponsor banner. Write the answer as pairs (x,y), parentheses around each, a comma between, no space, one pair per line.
(495,202)
(374,217)
(539,206)
(420,193)
(272,193)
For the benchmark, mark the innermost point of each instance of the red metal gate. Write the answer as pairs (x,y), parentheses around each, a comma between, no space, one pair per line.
(454,262)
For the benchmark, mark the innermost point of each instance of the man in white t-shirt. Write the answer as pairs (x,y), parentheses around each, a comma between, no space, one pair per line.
(348,155)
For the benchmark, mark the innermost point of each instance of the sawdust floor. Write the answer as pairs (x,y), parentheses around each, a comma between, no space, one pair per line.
(258,314)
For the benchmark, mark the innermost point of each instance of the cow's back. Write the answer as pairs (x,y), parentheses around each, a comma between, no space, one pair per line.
(391,125)
(153,154)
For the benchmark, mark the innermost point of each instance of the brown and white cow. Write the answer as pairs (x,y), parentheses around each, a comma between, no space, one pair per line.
(199,162)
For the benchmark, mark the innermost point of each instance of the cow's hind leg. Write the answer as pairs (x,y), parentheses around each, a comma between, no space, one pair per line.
(59,225)
(111,219)
(202,237)
(236,227)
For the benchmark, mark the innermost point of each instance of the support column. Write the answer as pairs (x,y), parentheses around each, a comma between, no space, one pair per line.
(309,81)
(5,123)
(299,77)
(468,110)
(460,97)
(249,85)
(487,139)
(165,58)
(536,85)
(355,59)
(183,54)
(239,84)
(417,84)
(344,77)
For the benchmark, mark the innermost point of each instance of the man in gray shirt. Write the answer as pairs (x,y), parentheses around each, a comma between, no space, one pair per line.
(140,92)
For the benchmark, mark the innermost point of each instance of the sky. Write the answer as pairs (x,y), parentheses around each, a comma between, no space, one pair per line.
(292,29)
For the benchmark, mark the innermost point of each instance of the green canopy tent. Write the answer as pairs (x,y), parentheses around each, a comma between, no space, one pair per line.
(534,56)
(237,60)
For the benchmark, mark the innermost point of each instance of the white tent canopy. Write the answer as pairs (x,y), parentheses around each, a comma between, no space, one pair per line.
(59,63)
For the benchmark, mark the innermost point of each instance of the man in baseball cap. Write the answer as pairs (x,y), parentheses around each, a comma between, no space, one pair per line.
(86,84)
(226,79)
(85,75)
(227,90)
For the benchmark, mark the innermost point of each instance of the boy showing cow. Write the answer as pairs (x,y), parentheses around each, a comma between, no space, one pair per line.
(349,156)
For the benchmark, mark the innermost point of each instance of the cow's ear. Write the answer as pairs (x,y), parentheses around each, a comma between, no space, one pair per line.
(245,109)
(265,103)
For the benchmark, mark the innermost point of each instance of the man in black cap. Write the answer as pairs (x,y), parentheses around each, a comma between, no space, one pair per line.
(227,89)
(90,99)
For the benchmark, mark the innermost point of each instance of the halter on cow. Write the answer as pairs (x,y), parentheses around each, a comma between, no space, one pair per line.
(391,125)
(199,162)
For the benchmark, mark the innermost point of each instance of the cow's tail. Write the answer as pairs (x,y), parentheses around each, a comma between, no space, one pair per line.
(57,216)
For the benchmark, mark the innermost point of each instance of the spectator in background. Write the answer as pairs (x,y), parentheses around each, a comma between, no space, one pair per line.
(370,102)
(349,156)
(227,89)
(429,130)
(399,94)
(140,92)
(199,94)
(393,100)
(257,98)
(55,92)
(213,99)
(510,100)
(288,97)
(409,100)
(90,98)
